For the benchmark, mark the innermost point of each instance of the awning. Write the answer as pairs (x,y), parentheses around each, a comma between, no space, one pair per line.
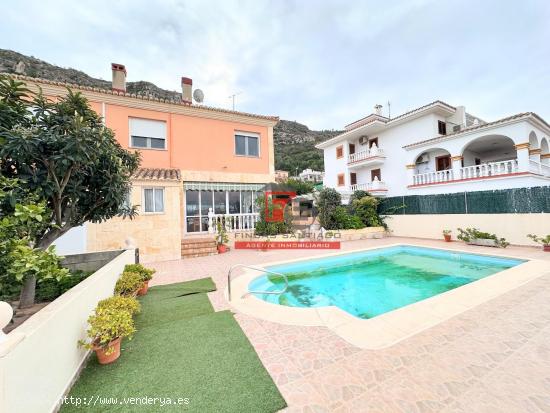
(221,186)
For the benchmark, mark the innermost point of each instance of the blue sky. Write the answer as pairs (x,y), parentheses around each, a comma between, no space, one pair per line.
(322,63)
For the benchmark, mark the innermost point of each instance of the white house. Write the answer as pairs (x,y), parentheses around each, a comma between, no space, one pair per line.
(310,175)
(437,148)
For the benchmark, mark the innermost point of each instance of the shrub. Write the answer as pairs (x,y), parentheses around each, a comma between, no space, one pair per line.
(49,290)
(344,220)
(329,199)
(358,195)
(366,208)
(128,283)
(146,273)
(469,234)
(106,325)
(540,240)
(300,187)
(119,302)
(221,236)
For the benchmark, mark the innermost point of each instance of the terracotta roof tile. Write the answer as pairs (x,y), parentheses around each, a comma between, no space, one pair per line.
(135,96)
(158,174)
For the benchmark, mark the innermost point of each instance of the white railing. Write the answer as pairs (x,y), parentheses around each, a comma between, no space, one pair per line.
(489,169)
(539,168)
(366,154)
(369,186)
(232,222)
(433,177)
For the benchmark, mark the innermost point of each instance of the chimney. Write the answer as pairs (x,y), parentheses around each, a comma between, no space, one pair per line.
(378,109)
(186,89)
(119,77)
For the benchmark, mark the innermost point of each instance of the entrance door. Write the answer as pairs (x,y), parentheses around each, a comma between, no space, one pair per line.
(351,148)
(375,173)
(353,178)
(442,163)
(372,141)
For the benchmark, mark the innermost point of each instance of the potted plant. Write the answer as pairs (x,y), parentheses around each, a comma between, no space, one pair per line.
(128,284)
(120,302)
(447,235)
(107,328)
(545,242)
(473,236)
(221,239)
(146,275)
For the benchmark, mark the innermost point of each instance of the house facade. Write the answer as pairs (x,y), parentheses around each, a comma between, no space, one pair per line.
(437,148)
(310,175)
(200,165)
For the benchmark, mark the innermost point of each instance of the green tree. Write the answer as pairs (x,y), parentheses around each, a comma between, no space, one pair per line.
(63,152)
(300,187)
(327,202)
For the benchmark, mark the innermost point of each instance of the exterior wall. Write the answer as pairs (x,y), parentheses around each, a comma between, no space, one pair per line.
(157,235)
(513,227)
(41,357)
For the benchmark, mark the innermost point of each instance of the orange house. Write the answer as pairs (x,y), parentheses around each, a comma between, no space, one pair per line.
(200,165)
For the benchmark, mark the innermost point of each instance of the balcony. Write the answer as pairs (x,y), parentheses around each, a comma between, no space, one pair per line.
(368,157)
(376,187)
(488,170)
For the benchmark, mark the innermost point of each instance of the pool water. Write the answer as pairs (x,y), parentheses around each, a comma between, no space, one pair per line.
(370,283)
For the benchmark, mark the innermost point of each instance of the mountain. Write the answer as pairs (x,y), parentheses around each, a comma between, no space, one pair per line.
(294,143)
(295,146)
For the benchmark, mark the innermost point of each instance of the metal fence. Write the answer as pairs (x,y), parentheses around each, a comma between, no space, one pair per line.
(516,200)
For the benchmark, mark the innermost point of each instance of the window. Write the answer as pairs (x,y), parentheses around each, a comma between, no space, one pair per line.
(147,134)
(341,180)
(247,145)
(339,152)
(353,178)
(441,127)
(154,200)
(351,148)
(375,173)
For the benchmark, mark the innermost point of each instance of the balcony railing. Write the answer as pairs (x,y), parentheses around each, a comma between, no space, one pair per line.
(366,154)
(369,186)
(539,168)
(477,171)
(232,222)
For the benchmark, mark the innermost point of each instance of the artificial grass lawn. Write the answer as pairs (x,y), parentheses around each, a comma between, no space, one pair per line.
(182,349)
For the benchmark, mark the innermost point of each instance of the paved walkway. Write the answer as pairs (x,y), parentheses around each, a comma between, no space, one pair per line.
(493,358)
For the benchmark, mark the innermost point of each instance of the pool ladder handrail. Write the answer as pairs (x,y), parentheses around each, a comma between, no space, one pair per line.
(256,269)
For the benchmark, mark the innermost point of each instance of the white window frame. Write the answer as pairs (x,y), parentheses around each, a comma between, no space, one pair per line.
(248,135)
(155,212)
(148,147)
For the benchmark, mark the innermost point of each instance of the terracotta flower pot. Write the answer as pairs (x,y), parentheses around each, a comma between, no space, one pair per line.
(447,237)
(222,248)
(103,358)
(546,248)
(144,288)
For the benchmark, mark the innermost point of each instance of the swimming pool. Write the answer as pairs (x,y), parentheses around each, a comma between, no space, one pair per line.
(372,282)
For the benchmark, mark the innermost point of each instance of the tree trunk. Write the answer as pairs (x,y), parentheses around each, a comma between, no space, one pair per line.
(27,292)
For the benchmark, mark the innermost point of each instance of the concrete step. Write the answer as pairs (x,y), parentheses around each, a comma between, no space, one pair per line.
(198,247)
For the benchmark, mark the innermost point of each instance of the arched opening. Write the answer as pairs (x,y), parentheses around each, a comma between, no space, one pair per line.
(544,152)
(488,156)
(432,160)
(488,149)
(533,141)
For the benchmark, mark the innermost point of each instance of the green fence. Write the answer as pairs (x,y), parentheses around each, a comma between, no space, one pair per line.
(517,200)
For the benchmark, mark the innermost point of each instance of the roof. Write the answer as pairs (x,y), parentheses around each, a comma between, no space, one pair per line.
(374,117)
(157,174)
(482,126)
(135,96)
(385,121)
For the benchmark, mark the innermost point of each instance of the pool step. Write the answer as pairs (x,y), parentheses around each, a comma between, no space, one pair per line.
(198,247)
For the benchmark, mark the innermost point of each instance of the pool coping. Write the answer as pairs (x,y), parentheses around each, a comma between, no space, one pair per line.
(394,326)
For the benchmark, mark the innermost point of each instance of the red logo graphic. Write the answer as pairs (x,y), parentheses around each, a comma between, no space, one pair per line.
(278,200)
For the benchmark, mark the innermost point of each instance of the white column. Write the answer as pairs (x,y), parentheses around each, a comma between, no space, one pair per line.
(211,228)
(522,150)
(410,173)
(456,163)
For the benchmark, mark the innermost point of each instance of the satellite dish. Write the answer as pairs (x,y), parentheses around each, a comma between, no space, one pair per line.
(198,95)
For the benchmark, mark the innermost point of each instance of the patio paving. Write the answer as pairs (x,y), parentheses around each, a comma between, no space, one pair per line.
(493,358)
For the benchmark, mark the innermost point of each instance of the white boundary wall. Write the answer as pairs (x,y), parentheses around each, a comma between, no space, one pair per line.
(513,227)
(40,358)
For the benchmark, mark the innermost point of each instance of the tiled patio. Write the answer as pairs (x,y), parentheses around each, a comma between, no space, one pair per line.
(494,358)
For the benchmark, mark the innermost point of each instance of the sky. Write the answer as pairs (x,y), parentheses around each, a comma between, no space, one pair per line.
(323,63)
